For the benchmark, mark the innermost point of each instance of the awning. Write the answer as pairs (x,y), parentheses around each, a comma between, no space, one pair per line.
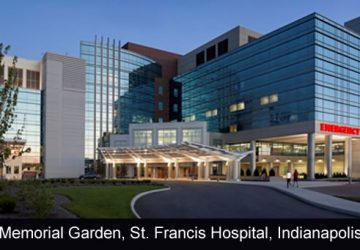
(185,152)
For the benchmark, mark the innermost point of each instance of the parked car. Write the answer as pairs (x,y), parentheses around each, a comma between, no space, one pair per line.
(89,175)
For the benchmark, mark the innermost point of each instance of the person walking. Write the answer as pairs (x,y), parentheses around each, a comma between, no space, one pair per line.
(296,177)
(288,178)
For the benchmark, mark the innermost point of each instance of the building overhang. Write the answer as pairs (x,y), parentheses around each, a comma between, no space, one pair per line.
(174,153)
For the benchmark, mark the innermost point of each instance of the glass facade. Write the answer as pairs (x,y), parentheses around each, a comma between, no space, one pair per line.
(142,138)
(337,76)
(307,70)
(286,149)
(192,135)
(166,136)
(119,100)
(28,117)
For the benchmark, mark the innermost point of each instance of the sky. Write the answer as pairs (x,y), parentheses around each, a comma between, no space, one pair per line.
(33,27)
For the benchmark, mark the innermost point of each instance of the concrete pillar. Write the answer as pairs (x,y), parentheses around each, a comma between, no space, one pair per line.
(145,170)
(199,170)
(169,169)
(229,171)
(236,170)
(207,170)
(311,156)
(253,157)
(153,175)
(106,170)
(328,155)
(20,172)
(176,170)
(348,158)
(113,171)
(138,170)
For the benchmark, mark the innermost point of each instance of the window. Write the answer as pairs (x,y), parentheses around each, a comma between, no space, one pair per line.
(192,135)
(273,98)
(200,58)
(166,136)
(32,79)
(269,99)
(175,108)
(16,170)
(142,137)
(190,118)
(264,100)
(237,106)
(161,90)
(176,92)
(160,106)
(223,47)
(211,113)
(210,53)
(17,74)
(233,128)
(8,170)
(251,39)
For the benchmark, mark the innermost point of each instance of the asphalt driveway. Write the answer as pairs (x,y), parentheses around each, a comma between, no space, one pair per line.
(222,200)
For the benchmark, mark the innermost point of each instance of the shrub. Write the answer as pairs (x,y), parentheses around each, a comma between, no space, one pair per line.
(7,204)
(320,175)
(39,200)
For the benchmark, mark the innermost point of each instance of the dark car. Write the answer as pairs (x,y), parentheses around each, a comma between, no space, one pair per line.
(89,175)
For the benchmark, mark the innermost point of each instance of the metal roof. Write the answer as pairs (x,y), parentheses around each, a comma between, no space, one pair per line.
(184,152)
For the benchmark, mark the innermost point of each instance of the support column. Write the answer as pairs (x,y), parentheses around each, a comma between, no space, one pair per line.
(20,172)
(236,170)
(271,165)
(176,170)
(145,170)
(348,158)
(113,171)
(169,167)
(311,156)
(199,170)
(153,175)
(229,174)
(253,157)
(138,170)
(106,170)
(328,155)
(207,170)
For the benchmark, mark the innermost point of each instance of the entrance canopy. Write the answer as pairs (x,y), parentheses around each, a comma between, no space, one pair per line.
(185,152)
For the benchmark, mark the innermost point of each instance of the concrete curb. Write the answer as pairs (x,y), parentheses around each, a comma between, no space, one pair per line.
(138,196)
(305,200)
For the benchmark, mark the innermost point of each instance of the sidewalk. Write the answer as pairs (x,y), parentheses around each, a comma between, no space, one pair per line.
(314,198)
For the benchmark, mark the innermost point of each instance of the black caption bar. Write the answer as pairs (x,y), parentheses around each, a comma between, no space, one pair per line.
(224,233)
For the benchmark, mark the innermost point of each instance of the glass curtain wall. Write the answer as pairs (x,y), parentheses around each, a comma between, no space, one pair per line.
(119,90)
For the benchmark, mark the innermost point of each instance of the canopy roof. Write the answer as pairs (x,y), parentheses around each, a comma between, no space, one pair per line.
(185,152)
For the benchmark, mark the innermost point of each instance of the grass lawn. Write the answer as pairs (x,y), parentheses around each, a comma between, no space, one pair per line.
(102,201)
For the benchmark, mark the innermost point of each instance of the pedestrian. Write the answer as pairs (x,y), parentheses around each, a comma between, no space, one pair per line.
(288,178)
(296,177)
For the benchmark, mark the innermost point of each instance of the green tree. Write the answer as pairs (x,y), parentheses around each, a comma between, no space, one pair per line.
(8,99)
